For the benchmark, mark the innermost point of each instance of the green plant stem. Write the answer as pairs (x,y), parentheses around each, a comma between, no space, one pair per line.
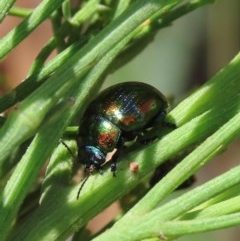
(66,9)
(71,130)
(5,5)
(176,229)
(230,193)
(222,208)
(26,171)
(171,230)
(182,10)
(193,198)
(20,12)
(25,120)
(56,20)
(34,81)
(38,15)
(86,12)
(82,15)
(121,7)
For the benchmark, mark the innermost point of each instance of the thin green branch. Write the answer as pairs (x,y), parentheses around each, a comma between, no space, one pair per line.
(34,81)
(38,15)
(182,10)
(66,9)
(121,7)
(5,5)
(61,32)
(56,20)
(172,230)
(219,139)
(20,12)
(222,208)
(223,197)
(86,12)
(26,171)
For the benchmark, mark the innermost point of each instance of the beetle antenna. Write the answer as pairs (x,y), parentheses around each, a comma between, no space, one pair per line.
(68,148)
(83,183)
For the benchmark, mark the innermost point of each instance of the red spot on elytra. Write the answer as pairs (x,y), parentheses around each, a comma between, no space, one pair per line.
(107,139)
(146,106)
(127,120)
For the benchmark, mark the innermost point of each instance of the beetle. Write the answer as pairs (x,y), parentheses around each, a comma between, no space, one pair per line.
(121,113)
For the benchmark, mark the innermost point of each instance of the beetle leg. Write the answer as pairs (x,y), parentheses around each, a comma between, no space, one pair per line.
(169,124)
(100,170)
(146,141)
(114,167)
(113,161)
(120,149)
(147,136)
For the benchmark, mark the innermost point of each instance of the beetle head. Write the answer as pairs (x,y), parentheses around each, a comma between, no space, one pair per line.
(91,157)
